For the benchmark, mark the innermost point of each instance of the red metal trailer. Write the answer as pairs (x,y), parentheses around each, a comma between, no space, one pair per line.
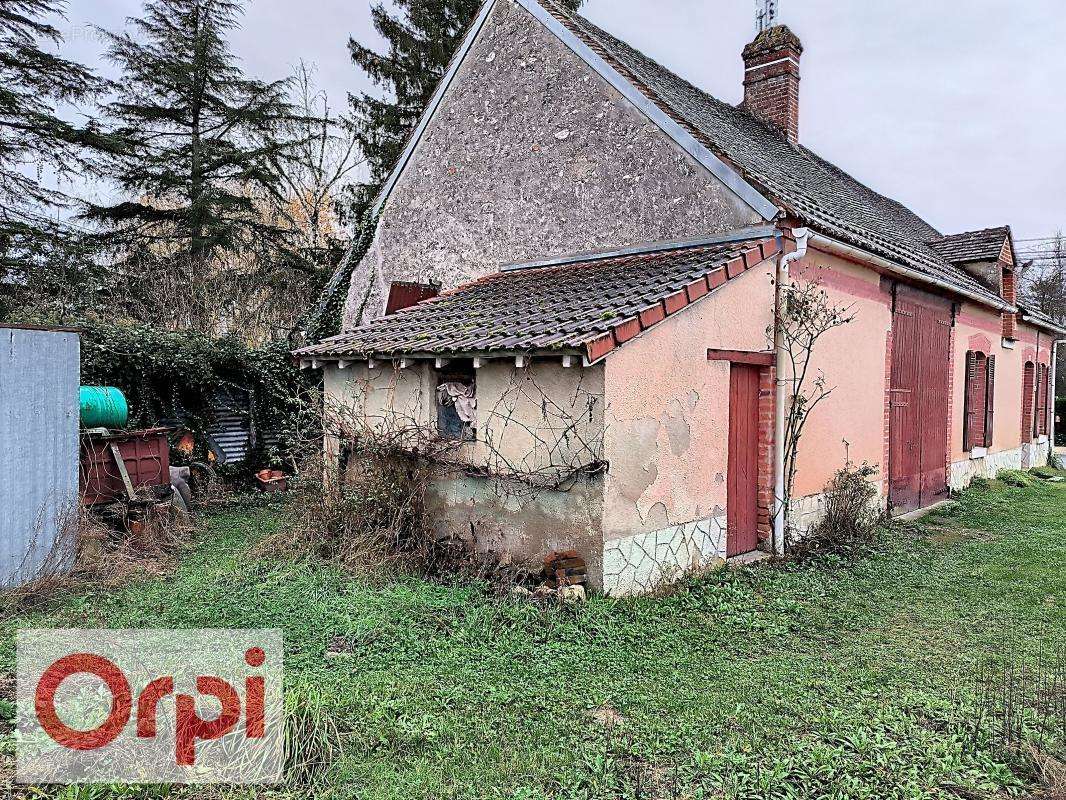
(115,465)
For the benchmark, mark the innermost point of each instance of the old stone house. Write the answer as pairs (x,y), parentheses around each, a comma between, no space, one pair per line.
(573,278)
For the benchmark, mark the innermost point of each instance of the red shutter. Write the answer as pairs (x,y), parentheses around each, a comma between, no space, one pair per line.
(1042,391)
(1049,399)
(1028,401)
(404,294)
(968,412)
(990,398)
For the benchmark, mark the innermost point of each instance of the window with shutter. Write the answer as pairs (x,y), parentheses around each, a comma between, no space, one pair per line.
(990,399)
(1049,399)
(1042,393)
(967,399)
(1028,401)
(979,413)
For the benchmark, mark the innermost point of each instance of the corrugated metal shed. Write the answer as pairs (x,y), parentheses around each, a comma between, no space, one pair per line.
(231,430)
(39,377)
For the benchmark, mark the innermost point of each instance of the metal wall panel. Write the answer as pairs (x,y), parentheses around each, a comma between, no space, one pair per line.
(39,377)
(231,428)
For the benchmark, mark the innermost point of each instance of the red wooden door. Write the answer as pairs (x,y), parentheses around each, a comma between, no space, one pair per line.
(918,420)
(742,534)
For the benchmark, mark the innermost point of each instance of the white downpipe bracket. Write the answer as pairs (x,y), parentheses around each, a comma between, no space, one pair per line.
(781,362)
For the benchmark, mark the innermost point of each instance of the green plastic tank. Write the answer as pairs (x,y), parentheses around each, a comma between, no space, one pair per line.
(103,407)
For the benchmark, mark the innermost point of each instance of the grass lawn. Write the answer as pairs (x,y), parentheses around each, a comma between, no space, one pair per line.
(832,681)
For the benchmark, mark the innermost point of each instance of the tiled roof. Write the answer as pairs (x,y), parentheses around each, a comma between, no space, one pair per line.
(1042,320)
(983,245)
(819,193)
(587,306)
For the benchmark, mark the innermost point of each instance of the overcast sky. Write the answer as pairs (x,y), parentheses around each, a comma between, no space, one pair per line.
(957,109)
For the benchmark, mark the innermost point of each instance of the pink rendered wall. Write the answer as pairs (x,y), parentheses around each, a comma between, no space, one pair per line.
(977,328)
(667,414)
(852,359)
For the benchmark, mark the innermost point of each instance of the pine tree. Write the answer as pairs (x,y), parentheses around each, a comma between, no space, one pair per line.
(35,142)
(197,138)
(422,36)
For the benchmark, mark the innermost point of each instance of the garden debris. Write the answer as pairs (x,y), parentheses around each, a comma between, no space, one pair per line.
(105,546)
(346,645)
(571,594)
(271,480)
(565,595)
(607,716)
(564,568)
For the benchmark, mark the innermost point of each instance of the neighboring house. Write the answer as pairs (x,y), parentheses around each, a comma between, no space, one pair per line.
(607,238)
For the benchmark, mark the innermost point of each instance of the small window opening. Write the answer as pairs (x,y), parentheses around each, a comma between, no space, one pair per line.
(457,401)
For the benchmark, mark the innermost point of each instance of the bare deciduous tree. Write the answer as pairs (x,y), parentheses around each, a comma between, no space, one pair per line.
(314,170)
(806,316)
(1042,286)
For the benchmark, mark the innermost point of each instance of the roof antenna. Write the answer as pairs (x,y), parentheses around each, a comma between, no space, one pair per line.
(765,14)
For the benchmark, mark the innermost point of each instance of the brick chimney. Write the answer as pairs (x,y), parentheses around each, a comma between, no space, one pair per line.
(772,79)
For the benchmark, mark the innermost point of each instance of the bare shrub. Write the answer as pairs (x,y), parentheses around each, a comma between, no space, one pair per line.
(1050,772)
(852,518)
(372,518)
(49,557)
(143,541)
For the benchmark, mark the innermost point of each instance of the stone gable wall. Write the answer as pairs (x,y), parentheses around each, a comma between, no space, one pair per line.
(531,154)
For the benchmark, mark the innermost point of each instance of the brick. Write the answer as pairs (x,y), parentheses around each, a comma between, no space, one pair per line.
(734,268)
(600,346)
(717,278)
(696,290)
(675,302)
(653,315)
(752,258)
(625,331)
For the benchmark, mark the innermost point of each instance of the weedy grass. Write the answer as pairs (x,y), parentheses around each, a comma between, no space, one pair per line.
(834,679)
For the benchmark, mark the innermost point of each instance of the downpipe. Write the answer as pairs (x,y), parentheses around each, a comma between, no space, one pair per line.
(801,236)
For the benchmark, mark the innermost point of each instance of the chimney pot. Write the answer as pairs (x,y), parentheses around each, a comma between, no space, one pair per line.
(772,77)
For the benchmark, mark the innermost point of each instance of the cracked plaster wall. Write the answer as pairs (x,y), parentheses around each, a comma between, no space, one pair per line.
(526,525)
(532,154)
(540,417)
(667,426)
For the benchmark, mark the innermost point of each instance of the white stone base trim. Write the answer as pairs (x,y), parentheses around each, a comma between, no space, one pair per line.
(989,465)
(643,562)
(806,512)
